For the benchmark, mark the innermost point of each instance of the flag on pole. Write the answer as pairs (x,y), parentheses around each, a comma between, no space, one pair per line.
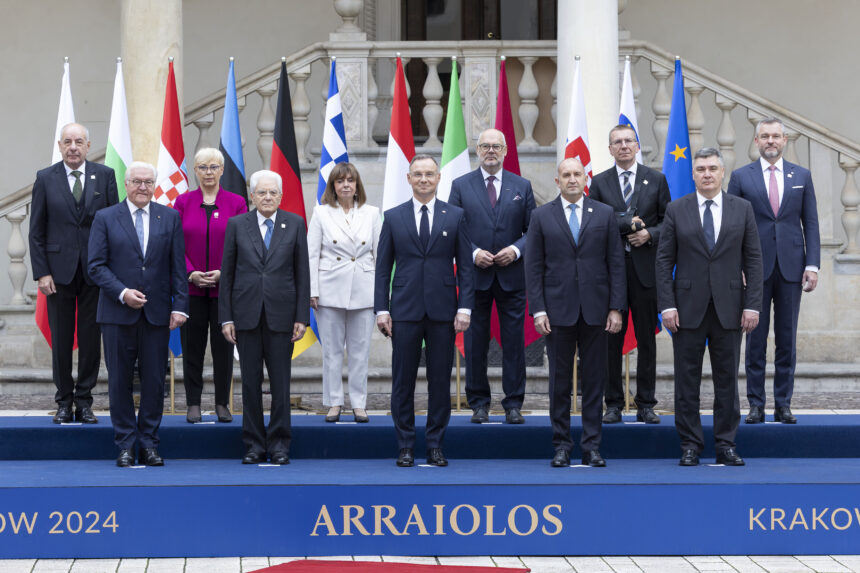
(455,149)
(505,124)
(334,135)
(233,178)
(627,113)
(285,154)
(677,160)
(577,127)
(65,116)
(118,154)
(401,146)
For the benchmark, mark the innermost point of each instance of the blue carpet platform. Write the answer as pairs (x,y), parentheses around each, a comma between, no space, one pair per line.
(343,495)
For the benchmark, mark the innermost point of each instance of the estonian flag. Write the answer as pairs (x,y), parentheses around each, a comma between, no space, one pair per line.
(233,178)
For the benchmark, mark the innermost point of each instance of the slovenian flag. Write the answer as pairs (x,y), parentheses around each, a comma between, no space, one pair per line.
(233,178)
(627,113)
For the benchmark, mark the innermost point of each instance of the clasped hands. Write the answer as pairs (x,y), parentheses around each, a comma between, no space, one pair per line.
(503,258)
(205,280)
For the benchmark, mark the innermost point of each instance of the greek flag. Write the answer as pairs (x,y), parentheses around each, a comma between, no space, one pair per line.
(334,135)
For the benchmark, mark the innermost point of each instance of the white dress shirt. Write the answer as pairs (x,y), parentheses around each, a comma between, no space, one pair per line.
(261,223)
(568,206)
(780,177)
(71,178)
(497,183)
(716,211)
(620,170)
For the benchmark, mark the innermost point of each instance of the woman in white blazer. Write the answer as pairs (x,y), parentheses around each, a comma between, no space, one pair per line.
(342,239)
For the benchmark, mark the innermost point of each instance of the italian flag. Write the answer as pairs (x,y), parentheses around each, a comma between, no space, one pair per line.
(118,154)
(455,150)
(401,146)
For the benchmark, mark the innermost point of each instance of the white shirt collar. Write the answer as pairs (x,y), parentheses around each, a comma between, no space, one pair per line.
(565,203)
(497,175)
(416,205)
(133,208)
(632,170)
(718,200)
(261,219)
(82,169)
(765,165)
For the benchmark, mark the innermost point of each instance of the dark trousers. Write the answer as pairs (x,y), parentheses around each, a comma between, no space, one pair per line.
(145,344)
(785,297)
(257,346)
(561,344)
(82,299)
(643,306)
(203,321)
(724,347)
(406,340)
(511,308)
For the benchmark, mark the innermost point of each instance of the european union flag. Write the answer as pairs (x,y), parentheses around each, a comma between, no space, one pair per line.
(678,160)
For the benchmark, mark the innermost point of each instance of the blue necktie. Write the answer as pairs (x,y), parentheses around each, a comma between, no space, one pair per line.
(708,225)
(138,226)
(628,188)
(424,227)
(268,238)
(574,223)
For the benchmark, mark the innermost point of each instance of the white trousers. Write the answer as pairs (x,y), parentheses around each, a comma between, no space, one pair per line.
(350,329)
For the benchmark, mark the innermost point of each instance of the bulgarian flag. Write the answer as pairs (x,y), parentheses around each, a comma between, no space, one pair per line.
(172,173)
(401,146)
(577,127)
(118,154)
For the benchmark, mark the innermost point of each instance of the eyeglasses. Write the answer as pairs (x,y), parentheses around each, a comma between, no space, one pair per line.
(142,183)
(620,142)
(206,168)
(494,146)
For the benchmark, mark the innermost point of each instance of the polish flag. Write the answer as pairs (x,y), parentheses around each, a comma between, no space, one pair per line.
(577,127)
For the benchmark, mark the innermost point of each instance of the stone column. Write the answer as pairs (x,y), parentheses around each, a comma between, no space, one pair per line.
(150,33)
(592,33)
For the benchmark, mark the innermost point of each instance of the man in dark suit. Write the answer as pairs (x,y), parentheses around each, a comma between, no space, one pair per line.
(710,243)
(783,200)
(137,258)
(264,308)
(576,288)
(419,240)
(498,205)
(66,196)
(639,196)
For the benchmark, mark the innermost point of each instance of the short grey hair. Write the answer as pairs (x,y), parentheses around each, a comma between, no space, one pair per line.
(68,125)
(141,165)
(265,174)
(768,121)
(709,152)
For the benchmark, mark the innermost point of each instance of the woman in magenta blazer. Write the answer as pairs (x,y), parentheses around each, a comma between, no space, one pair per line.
(205,212)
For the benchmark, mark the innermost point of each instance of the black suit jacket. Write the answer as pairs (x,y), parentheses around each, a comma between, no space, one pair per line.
(253,278)
(700,276)
(59,231)
(564,278)
(650,198)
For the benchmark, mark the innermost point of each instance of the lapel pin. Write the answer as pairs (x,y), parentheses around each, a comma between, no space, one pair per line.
(589,209)
(789,175)
(283,226)
(444,233)
(215,214)
(644,182)
(92,176)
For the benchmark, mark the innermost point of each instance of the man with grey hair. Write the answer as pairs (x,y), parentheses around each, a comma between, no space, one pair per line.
(66,197)
(137,258)
(783,200)
(264,309)
(709,286)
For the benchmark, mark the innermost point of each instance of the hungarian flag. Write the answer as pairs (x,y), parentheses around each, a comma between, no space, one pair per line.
(401,146)
(118,154)
(577,127)
(233,178)
(172,173)
(285,155)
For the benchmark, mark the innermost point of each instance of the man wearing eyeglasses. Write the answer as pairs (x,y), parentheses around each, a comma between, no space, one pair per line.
(639,196)
(137,258)
(498,205)
(66,197)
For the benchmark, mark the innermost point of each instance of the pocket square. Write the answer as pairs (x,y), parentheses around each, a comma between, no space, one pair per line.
(518,197)
(96,194)
(92,176)
(797,186)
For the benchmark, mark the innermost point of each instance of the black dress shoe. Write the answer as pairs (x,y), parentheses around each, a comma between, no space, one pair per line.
(193,415)
(612,416)
(252,457)
(63,415)
(150,457)
(647,415)
(405,459)
(513,416)
(224,415)
(729,457)
(593,459)
(280,458)
(689,458)
(784,415)
(125,459)
(85,415)
(435,457)
(480,416)
(756,416)
(561,459)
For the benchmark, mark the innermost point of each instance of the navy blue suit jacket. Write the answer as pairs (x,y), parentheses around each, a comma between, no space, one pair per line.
(116,262)
(59,232)
(566,279)
(493,229)
(790,237)
(424,283)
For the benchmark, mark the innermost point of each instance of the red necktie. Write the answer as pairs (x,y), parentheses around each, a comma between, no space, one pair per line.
(491,191)
(773,191)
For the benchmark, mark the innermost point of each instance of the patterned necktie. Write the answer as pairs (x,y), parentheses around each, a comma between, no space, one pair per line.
(268,238)
(424,227)
(627,188)
(77,188)
(574,223)
(708,225)
(138,226)
(491,191)
(773,190)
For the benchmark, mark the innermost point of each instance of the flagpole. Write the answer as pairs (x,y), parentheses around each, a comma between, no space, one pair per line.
(575,384)
(627,383)
(172,382)
(459,399)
